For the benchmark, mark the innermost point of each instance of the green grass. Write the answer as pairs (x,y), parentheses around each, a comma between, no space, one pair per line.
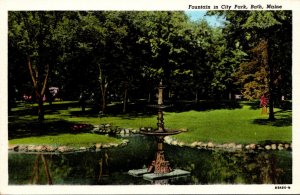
(74,140)
(123,120)
(243,124)
(223,126)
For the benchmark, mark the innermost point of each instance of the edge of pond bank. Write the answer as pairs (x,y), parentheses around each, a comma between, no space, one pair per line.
(31,148)
(229,146)
(24,148)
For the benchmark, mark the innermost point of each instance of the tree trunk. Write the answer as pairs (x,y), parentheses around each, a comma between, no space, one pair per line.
(40,109)
(82,100)
(39,92)
(83,105)
(103,98)
(125,96)
(196,96)
(271,85)
(271,104)
(125,99)
(149,97)
(103,86)
(49,179)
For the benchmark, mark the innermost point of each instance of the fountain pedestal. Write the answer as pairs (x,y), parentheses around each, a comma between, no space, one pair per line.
(159,167)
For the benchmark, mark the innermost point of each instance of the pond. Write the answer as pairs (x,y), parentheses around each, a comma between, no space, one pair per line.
(111,166)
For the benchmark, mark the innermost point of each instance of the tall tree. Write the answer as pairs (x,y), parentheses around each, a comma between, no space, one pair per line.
(193,72)
(33,33)
(224,60)
(161,41)
(111,49)
(129,60)
(271,33)
(253,75)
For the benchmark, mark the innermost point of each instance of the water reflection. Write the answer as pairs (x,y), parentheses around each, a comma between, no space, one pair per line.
(103,167)
(35,177)
(222,167)
(110,166)
(257,168)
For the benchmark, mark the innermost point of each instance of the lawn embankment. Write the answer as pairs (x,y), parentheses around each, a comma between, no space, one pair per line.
(243,124)
(71,140)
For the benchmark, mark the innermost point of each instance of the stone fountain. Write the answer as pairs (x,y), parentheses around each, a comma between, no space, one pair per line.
(159,167)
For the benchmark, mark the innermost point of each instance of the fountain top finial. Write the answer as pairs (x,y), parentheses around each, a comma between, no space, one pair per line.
(160,131)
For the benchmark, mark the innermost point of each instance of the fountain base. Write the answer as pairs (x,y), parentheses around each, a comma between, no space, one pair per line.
(156,176)
(160,165)
(159,168)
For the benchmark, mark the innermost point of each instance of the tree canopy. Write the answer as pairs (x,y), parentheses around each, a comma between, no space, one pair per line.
(121,55)
(267,38)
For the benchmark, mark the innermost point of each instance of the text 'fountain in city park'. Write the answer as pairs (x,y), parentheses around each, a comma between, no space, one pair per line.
(159,168)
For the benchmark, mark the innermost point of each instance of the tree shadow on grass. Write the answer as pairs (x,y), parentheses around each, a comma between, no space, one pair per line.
(23,122)
(283,119)
(25,128)
(284,105)
(144,108)
(205,105)
(133,110)
(31,109)
(254,105)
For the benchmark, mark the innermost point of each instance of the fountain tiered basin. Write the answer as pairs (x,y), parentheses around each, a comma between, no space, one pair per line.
(159,168)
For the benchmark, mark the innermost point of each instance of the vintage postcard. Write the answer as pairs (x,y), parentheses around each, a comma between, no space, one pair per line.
(149,97)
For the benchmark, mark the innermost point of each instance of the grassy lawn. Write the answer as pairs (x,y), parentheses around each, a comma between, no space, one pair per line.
(243,124)
(223,126)
(74,140)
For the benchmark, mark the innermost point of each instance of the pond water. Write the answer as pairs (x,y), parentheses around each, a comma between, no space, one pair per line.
(111,166)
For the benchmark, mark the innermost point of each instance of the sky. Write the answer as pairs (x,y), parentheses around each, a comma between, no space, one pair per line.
(198,15)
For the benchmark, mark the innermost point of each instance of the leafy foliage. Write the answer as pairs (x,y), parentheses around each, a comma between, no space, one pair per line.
(266,35)
(121,55)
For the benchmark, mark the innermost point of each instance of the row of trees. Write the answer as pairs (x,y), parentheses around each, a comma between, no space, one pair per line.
(267,39)
(124,54)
